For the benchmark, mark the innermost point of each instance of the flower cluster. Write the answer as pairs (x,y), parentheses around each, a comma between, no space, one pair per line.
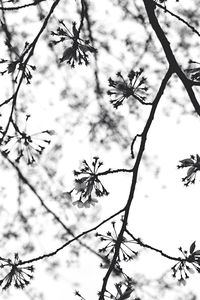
(77,51)
(125,253)
(134,86)
(193,73)
(79,295)
(87,185)
(18,65)
(193,163)
(116,270)
(26,145)
(189,264)
(124,289)
(18,275)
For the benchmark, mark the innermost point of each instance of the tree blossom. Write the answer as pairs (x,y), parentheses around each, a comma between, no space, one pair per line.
(26,145)
(193,163)
(87,185)
(134,86)
(77,51)
(18,275)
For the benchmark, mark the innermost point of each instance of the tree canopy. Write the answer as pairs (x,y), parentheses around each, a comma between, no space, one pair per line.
(87,167)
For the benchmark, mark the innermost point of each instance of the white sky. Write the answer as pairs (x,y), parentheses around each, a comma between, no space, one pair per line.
(164,213)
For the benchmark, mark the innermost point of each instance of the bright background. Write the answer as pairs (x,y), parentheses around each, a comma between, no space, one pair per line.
(164,213)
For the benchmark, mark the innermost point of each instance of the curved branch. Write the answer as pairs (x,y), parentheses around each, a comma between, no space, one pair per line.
(21,6)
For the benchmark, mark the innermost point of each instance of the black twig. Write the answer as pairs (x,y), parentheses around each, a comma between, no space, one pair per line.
(142,244)
(22,6)
(177,17)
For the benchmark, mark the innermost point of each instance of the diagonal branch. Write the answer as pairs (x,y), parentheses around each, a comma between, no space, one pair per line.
(134,180)
(150,9)
(76,238)
(177,17)
(140,242)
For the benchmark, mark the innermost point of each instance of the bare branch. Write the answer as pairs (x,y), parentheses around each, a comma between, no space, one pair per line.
(134,180)
(150,9)
(142,244)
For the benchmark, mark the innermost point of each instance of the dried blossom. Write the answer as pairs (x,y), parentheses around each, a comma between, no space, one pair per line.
(78,49)
(193,73)
(125,253)
(126,293)
(66,195)
(26,145)
(193,163)
(87,184)
(79,295)
(88,203)
(188,264)
(18,275)
(19,65)
(124,289)
(134,86)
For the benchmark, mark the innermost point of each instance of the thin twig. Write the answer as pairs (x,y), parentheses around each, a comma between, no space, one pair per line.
(139,242)
(110,171)
(82,16)
(132,144)
(177,17)
(71,241)
(21,6)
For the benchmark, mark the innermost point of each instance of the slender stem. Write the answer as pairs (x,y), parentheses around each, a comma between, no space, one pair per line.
(134,180)
(177,17)
(139,242)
